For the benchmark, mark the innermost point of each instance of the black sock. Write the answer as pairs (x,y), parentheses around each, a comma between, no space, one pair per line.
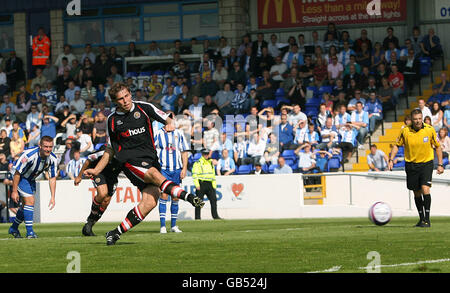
(96,212)
(419,205)
(174,190)
(133,218)
(427,205)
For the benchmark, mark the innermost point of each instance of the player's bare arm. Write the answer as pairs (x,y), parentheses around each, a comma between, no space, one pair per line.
(15,193)
(52,184)
(78,179)
(107,156)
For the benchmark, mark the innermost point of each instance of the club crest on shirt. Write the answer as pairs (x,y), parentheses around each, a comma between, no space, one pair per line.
(144,164)
(24,160)
(97,180)
(137,115)
(425,139)
(119,122)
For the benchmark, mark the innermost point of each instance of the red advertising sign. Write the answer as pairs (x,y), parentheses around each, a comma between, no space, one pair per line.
(304,13)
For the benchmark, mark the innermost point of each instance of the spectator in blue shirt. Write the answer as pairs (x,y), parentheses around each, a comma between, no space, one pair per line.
(226,165)
(286,133)
(375,110)
(311,136)
(48,127)
(6,103)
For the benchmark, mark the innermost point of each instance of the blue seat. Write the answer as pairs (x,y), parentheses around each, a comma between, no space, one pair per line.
(401,151)
(215,155)
(272,168)
(314,102)
(244,169)
(195,157)
(325,89)
(265,168)
(269,103)
(313,89)
(289,154)
(281,100)
(145,73)
(425,66)
(132,74)
(280,93)
(400,164)
(445,162)
(333,163)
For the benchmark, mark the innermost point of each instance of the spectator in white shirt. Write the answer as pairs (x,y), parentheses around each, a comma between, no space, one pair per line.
(329,135)
(377,159)
(278,69)
(256,148)
(282,167)
(78,105)
(33,117)
(306,162)
(195,110)
(67,54)
(425,110)
(86,145)
(225,165)
(70,92)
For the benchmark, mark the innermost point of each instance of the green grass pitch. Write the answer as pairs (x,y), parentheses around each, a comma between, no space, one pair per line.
(234,246)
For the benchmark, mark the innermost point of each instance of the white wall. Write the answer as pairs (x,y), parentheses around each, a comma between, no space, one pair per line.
(266,196)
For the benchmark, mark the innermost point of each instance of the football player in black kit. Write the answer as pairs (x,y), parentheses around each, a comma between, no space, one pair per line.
(131,142)
(105,183)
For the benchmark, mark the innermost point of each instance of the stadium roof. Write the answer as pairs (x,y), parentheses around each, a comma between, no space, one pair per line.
(39,5)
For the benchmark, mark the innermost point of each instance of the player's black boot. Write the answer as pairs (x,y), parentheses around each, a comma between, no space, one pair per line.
(112,237)
(419,224)
(87,229)
(195,200)
(14,233)
(426,223)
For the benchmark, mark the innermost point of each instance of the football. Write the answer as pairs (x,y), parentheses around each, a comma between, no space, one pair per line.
(380,213)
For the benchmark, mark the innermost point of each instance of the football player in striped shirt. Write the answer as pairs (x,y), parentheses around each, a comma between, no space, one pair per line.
(32,163)
(172,150)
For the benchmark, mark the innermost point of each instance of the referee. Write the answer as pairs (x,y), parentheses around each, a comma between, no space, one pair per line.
(420,141)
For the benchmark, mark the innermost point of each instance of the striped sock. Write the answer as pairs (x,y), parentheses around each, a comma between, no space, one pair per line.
(96,211)
(19,219)
(162,212)
(173,213)
(28,212)
(133,218)
(174,190)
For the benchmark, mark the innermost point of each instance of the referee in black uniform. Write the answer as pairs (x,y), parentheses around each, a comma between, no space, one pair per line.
(420,142)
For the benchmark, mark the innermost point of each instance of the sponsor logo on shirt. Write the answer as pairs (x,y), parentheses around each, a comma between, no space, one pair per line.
(133,132)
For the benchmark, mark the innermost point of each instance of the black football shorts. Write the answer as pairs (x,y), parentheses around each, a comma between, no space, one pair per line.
(418,174)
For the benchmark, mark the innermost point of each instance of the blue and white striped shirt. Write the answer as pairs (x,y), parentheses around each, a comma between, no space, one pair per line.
(169,146)
(74,167)
(30,164)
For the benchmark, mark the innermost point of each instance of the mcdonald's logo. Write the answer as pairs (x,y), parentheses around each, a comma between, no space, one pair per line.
(279,4)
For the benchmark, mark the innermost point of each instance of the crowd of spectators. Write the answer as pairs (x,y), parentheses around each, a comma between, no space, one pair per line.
(355,82)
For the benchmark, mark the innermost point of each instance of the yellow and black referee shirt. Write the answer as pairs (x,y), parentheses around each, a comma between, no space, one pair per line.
(418,144)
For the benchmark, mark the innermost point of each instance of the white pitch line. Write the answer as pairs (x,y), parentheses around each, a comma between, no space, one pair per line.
(330,270)
(407,264)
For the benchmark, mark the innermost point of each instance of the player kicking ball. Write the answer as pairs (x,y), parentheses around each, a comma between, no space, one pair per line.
(32,163)
(105,183)
(131,142)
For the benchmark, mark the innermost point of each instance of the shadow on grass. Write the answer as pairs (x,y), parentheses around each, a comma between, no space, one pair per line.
(388,226)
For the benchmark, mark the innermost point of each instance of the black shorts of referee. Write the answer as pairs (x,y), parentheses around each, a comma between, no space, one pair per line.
(418,175)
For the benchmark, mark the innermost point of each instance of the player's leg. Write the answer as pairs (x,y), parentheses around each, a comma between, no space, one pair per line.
(426,204)
(199,193)
(175,176)
(413,183)
(14,228)
(28,212)
(162,202)
(153,176)
(98,207)
(150,195)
